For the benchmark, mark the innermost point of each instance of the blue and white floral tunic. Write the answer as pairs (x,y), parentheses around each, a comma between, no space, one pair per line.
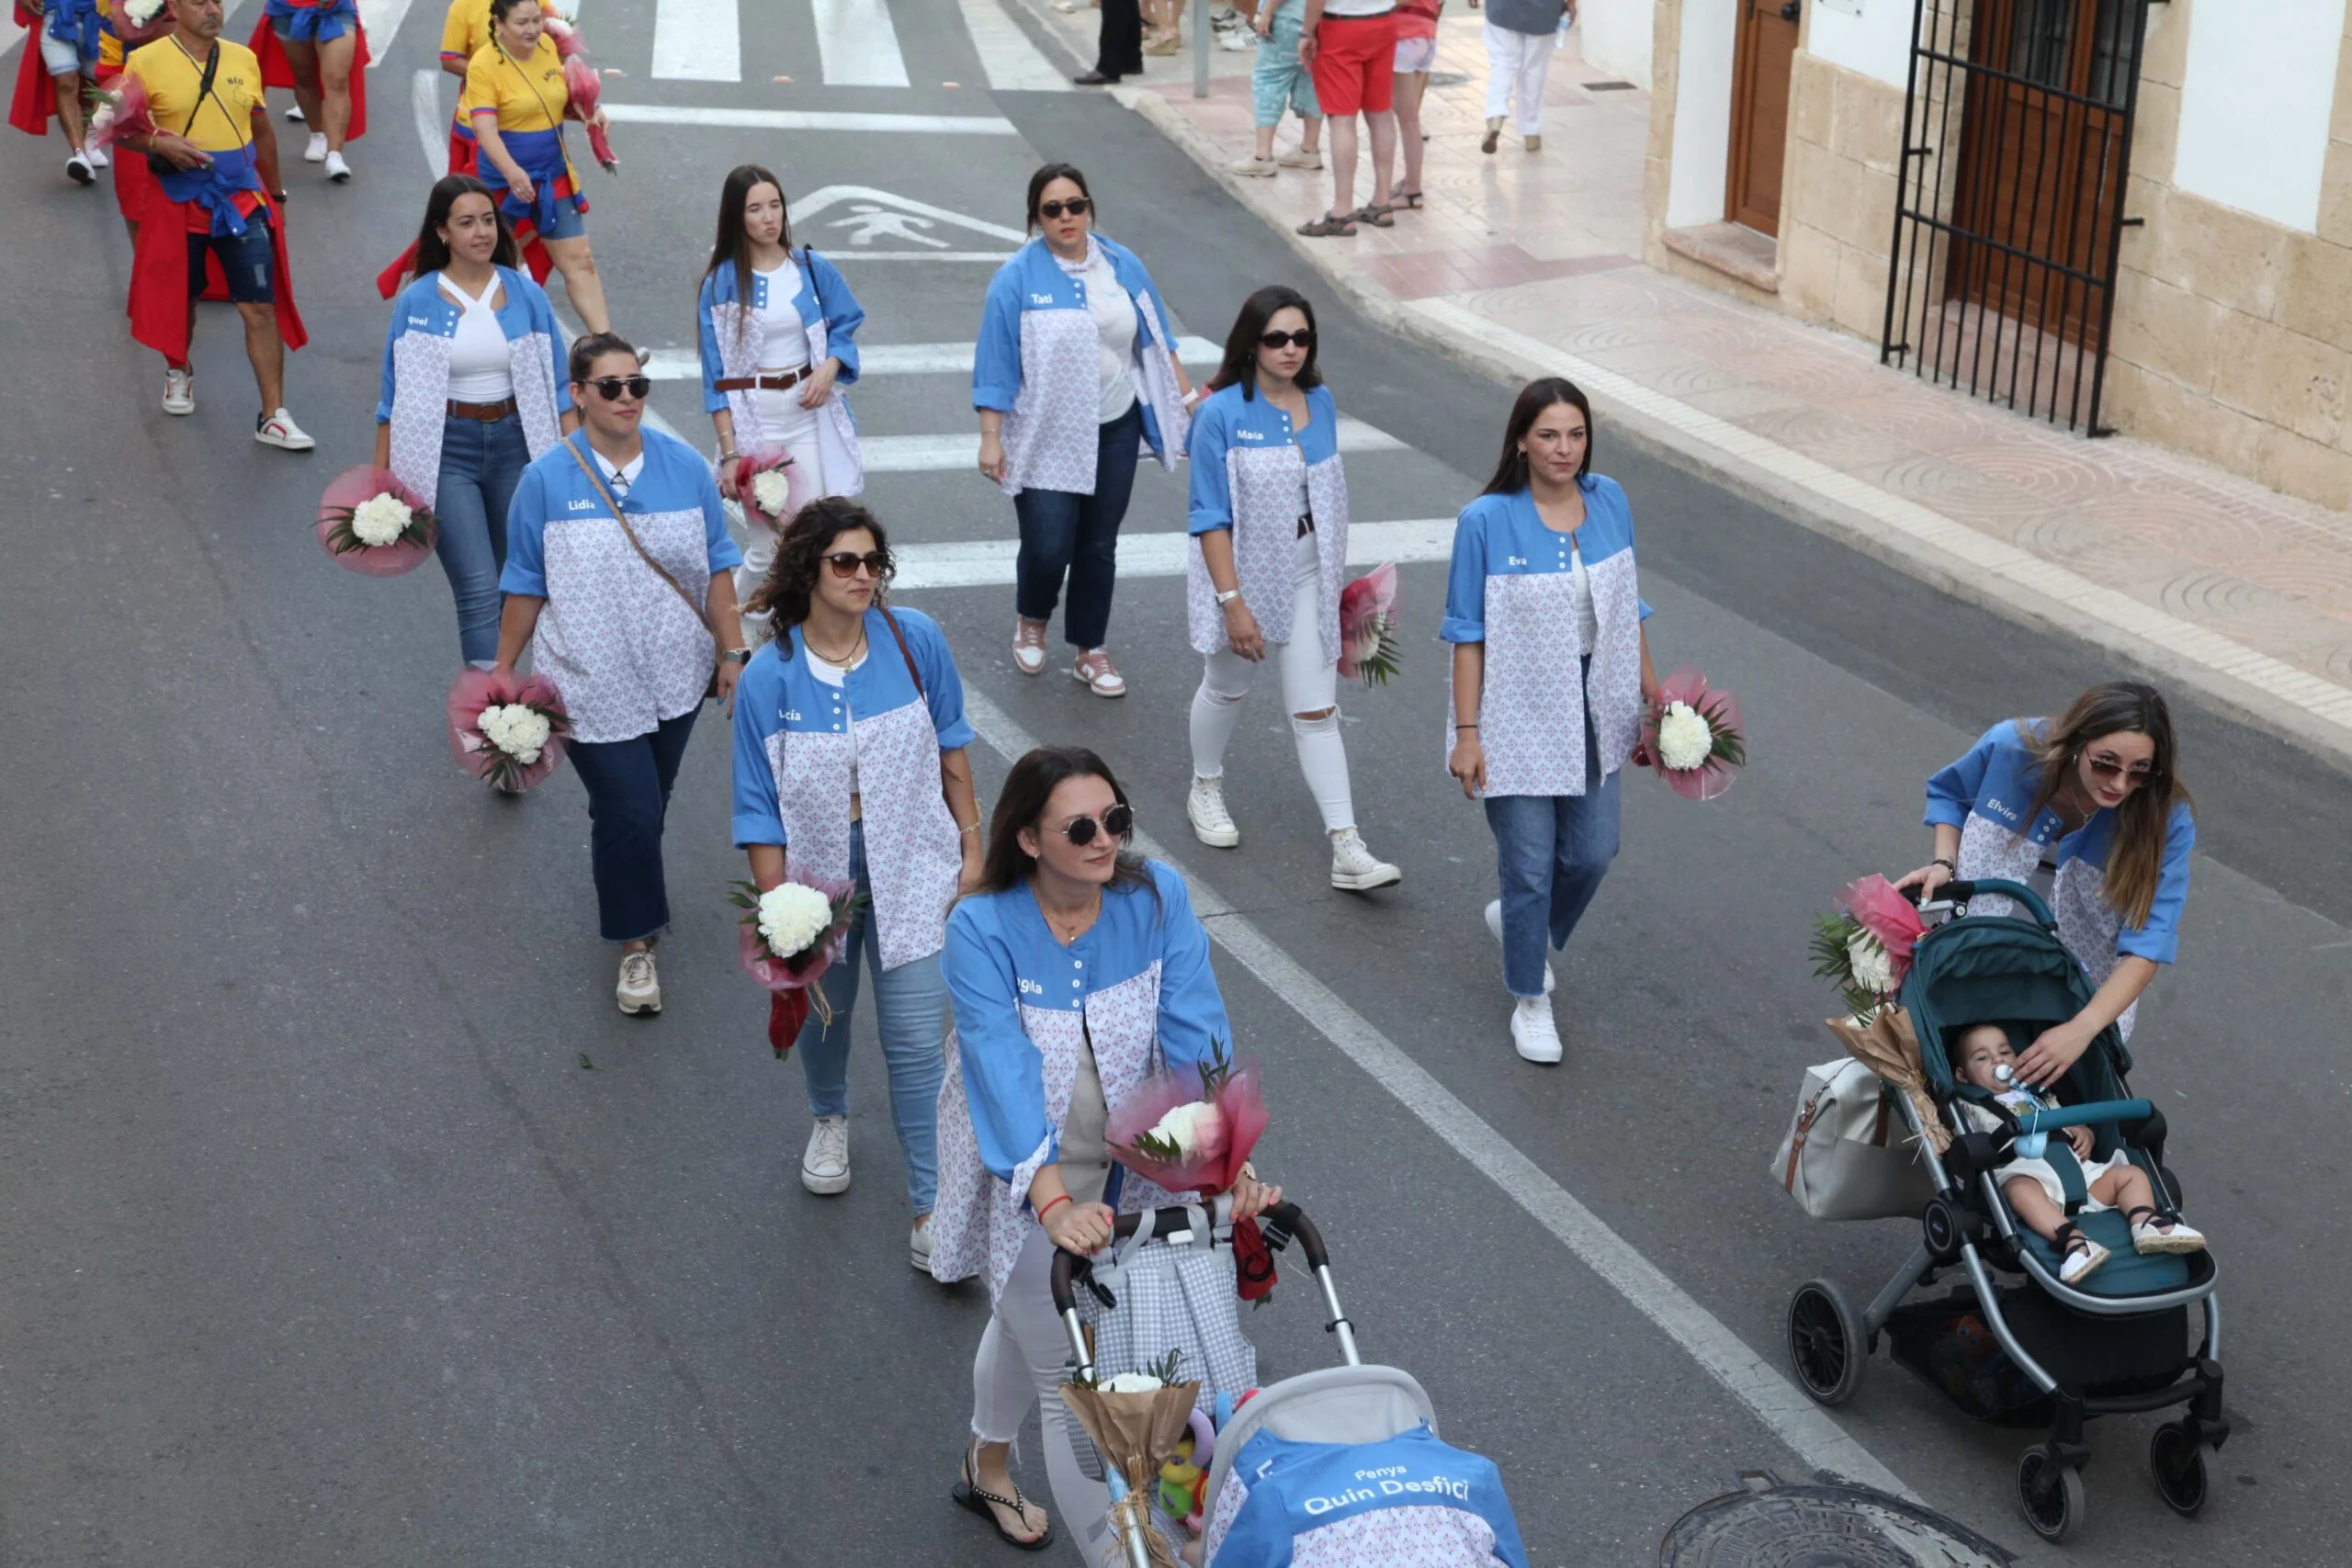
(798,738)
(1137,986)
(734,343)
(623,649)
(1513,587)
(1038,363)
(1986,794)
(1256,475)
(414,398)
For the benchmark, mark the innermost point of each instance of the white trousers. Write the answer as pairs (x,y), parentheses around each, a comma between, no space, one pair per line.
(1310,684)
(1515,66)
(1022,1361)
(784,422)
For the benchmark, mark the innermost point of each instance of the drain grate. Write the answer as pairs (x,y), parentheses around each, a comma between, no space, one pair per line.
(1608,86)
(1448,78)
(1767,1522)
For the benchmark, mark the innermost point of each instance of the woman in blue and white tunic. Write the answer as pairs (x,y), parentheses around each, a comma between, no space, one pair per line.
(779,335)
(2088,811)
(1076,969)
(474,387)
(1270,547)
(1551,671)
(1075,376)
(619,581)
(849,762)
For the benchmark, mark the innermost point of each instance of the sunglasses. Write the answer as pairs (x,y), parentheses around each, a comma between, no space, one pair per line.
(610,388)
(1119,821)
(1303,338)
(845,563)
(1077,207)
(2108,767)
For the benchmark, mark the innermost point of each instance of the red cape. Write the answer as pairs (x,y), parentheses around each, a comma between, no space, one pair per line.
(277,70)
(34,103)
(159,301)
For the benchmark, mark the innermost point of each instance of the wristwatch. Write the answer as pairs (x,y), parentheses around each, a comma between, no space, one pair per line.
(1228,596)
(734,656)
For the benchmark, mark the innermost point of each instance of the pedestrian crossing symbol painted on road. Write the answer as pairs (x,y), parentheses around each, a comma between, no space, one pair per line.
(858,220)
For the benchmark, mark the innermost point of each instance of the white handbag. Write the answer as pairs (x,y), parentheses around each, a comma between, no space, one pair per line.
(1847,1154)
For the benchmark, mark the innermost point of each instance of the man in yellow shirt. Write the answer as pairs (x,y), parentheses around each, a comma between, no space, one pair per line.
(215,156)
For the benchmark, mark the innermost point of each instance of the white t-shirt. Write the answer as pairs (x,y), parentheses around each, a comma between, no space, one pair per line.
(788,340)
(1580,595)
(481,370)
(838,675)
(1115,328)
(1358,7)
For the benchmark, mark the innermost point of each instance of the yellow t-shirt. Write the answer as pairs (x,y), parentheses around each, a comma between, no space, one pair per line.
(466,30)
(527,95)
(224,121)
(109,46)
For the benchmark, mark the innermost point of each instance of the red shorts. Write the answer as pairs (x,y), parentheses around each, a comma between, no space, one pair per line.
(1355,64)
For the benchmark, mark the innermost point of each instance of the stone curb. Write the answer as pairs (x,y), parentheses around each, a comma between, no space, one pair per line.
(1941,568)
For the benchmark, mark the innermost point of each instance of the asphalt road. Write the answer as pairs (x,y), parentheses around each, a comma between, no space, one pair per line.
(320,1241)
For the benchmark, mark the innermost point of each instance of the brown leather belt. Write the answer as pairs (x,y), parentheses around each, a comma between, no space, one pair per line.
(761,383)
(488,413)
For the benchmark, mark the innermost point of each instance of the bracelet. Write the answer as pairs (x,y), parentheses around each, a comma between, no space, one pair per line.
(973,828)
(727,457)
(1049,1207)
(1461,727)
(1948,865)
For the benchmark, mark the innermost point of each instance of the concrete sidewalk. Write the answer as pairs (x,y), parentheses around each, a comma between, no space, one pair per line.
(1526,264)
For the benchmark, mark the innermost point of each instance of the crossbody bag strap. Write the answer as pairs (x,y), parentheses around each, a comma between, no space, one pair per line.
(634,543)
(904,652)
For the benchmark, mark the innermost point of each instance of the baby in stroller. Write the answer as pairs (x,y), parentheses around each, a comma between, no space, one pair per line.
(2031,1184)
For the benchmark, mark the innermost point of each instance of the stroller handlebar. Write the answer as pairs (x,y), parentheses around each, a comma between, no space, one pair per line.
(1958,891)
(1281,1222)
(2087,1114)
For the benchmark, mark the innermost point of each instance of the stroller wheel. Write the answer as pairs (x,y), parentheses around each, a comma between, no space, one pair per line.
(2178,1466)
(1825,1342)
(2049,1492)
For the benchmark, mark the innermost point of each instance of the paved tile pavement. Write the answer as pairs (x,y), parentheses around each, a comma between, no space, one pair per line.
(2173,562)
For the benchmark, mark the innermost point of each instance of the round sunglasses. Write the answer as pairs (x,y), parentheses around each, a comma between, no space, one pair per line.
(1118,821)
(1077,207)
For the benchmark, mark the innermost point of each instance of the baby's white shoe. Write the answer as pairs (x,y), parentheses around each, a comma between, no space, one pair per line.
(2150,1234)
(2083,1255)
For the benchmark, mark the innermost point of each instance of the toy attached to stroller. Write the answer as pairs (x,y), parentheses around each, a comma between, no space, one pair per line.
(1342,1458)
(2043,1351)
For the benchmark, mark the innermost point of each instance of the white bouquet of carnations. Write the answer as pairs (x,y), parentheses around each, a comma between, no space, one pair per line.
(508,731)
(763,479)
(1136,1421)
(1865,948)
(371,523)
(789,935)
(1692,736)
(516,729)
(143,13)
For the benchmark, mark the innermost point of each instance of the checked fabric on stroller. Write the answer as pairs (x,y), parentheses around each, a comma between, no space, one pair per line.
(1342,1466)
(2039,1351)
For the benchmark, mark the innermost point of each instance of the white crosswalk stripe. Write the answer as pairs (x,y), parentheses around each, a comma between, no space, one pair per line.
(989,563)
(1007,57)
(856,43)
(698,40)
(900,359)
(808,120)
(946,454)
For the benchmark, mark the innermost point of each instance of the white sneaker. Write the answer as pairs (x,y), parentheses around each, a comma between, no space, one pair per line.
(919,1245)
(1495,924)
(337,170)
(1237,38)
(1532,1033)
(78,169)
(1355,869)
(280,431)
(1254,167)
(639,989)
(294,115)
(1028,645)
(1301,159)
(97,155)
(824,1165)
(1204,809)
(179,390)
(316,152)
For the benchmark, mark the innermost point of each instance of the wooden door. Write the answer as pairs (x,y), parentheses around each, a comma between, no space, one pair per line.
(1765,50)
(2042,151)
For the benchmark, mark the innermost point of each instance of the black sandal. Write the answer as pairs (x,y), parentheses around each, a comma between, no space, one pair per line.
(1411,200)
(1331,226)
(968,1494)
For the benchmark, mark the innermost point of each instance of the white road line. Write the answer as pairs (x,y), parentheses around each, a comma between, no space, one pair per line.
(1794,1418)
(809,119)
(1010,61)
(989,563)
(424,109)
(698,40)
(382,18)
(943,454)
(900,359)
(856,44)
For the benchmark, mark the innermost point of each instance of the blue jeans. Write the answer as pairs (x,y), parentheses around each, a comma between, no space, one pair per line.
(629,797)
(1551,851)
(1078,536)
(909,1014)
(481,465)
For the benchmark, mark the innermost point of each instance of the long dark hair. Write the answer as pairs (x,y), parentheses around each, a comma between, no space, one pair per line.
(1241,344)
(800,554)
(432,249)
(2135,859)
(1022,803)
(1511,468)
(733,244)
(1047,176)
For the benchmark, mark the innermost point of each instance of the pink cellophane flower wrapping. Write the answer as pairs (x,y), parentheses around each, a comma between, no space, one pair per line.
(127,111)
(587,90)
(1216,1163)
(1367,611)
(565,37)
(347,490)
(1887,915)
(1721,709)
(475,690)
(758,460)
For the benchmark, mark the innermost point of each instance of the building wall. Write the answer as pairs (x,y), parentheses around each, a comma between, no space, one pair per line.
(1615,39)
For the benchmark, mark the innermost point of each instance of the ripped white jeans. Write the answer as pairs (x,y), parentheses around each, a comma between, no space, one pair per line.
(1310,680)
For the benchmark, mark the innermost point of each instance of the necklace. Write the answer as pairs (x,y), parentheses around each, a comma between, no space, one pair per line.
(842,658)
(1067,927)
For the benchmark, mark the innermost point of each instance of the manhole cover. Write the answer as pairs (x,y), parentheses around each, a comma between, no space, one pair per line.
(1768,1524)
(1448,78)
